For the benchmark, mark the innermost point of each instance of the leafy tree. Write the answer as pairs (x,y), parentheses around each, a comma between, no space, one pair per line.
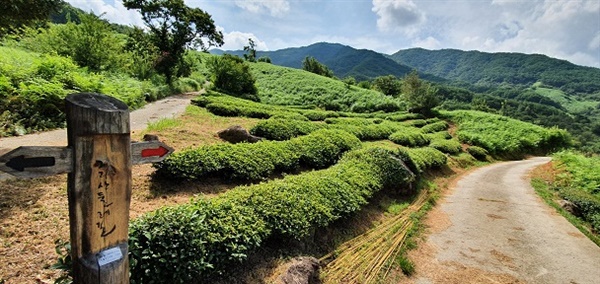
(15,14)
(389,85)
(349,81)
(420,96)
(230,74)
(251,51)
(365,85)
(143,53)
(265,59)
(311,64)
(175,27)
(91,43)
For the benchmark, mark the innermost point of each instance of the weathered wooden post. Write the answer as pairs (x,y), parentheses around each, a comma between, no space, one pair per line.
(99,187)
(98,159)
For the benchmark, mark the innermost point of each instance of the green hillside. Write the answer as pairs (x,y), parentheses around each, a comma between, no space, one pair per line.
(344,61)
(497,69)
(288,86)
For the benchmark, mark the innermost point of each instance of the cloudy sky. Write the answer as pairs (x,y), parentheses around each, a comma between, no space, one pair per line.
(566,29)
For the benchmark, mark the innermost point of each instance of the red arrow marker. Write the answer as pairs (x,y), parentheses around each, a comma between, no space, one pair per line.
(157,152)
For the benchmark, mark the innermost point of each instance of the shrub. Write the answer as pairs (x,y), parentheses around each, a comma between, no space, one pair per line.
(501,135)
(450,146)
(283,129)
(231,74)
(197,240)
(231,110)
(435,127)
(252,162)
(426,158)
(588,204)
(400,117)
(290,115)
(477,152)
(410,137)
(319,115)
(180,244)
(439,135)
(416,122)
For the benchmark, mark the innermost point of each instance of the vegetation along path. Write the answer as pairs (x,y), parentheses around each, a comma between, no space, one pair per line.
(152,112)
(493,228)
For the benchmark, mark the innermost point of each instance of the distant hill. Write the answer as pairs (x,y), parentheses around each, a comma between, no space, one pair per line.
(343,60)
(500,69)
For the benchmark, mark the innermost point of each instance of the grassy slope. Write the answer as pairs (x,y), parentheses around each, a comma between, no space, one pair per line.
(573,105)
(33,86)
(288,86)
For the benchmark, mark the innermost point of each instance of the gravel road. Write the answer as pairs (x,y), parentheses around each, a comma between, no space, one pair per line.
(498,227)
(139,119)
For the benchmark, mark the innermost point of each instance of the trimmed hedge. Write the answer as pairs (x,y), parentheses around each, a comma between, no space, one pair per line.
(501,135)
(439,135)
(588,205)
(253,162)
(450,146)
(477,152)
(416,122)
(319,115)
(399,117)
(193,241)
(364,129)
(435,127)
(283,129)
(410,137)
(425,158)
(230,110)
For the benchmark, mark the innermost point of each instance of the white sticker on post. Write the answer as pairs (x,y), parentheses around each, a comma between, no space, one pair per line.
(109,255)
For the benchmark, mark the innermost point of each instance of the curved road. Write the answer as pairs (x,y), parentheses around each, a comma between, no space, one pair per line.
(139,119)
(502,232)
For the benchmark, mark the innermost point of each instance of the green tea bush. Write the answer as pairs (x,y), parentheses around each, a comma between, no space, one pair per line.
(288,86)
(253,162)
(230,110)
(583,172)
(181,244)
(435,127)
(283,129)
(439,135)
(319,115)
(501,135)
(477,152)
(364,129)
(426,158)
(416,122)
(588,205)
(369,132)
(410,137)
(450,146)
(399,117)
(194,241)
(290,116)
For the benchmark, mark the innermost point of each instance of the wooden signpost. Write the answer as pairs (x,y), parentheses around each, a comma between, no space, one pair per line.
(98,159)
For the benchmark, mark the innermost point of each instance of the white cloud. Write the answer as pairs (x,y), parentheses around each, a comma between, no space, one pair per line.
(115,13)
(277,8)
(397,15)
(561,29)
(237,40)
(427,43)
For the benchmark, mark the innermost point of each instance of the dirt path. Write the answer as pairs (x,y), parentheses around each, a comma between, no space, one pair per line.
(139,119)
(493,228)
